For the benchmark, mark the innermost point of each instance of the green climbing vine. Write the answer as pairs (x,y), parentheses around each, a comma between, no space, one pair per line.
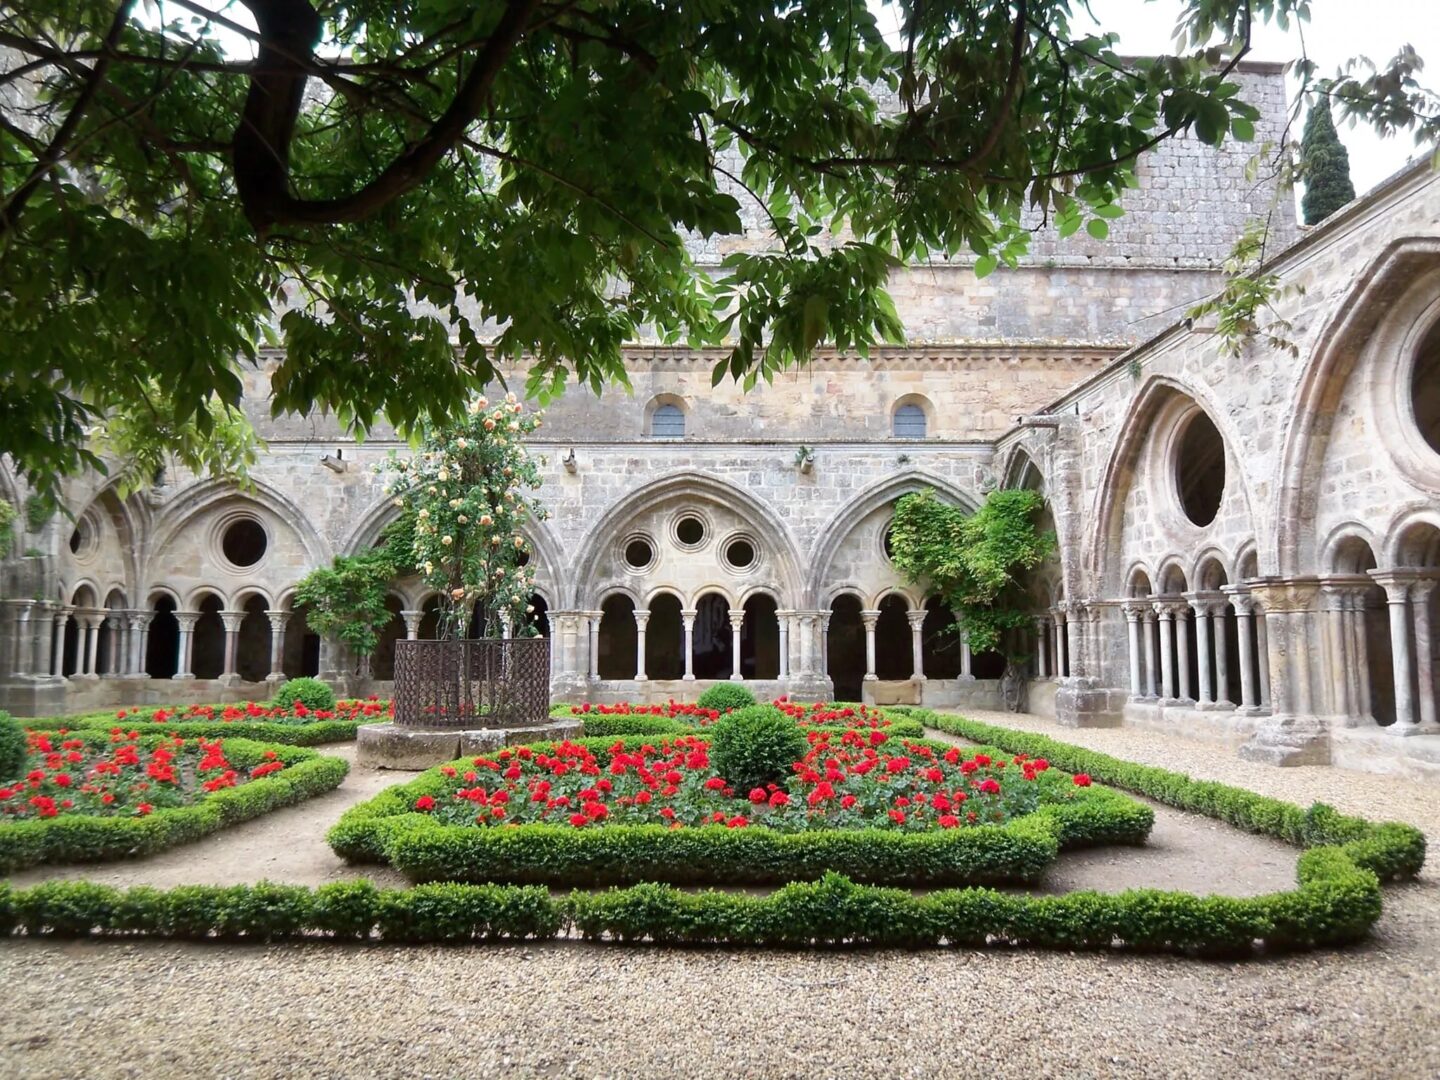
(346,600)
(971,560)
(7,527)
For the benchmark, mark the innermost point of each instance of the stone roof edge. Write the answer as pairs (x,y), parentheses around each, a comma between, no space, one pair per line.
(1412,174)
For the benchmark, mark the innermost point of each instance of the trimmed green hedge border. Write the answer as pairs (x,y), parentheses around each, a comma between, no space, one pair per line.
(1337,902)
(77,838)
(385,829)
(600,725)
(314,733)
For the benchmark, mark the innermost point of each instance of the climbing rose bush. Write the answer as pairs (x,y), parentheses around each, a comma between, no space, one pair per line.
(846,780)
(65,776)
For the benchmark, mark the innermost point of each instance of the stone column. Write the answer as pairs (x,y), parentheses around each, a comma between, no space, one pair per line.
(805,626)
(138,624)
(1165,615)
(593,619)
(688,618)
(1181,611)
(1397,600)
(1294,733)
(966,657)
(57,652)
(185,643)
(737,623)
(870,618)
(22,635)
(1262,646)
(1042,632)
(1152,685)
(278,619)
(1133,610)
(92,619)
(1222,661)
(1245,607)
(1205,657)
(1424,654)
(917,644)
(783,619)
(232,621)
(110,623)
(1062,643)
(412,625)
(1359,652)
(642,618)
(822,628)
(44,621)
(1345,679)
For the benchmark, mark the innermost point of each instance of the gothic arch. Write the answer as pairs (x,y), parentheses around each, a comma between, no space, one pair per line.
(1160,401)
(1022,471)
(1377,314)
(207,493)
(833,534)
(771,532)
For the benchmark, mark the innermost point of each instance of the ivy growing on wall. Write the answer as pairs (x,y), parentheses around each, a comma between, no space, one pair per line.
(346,600)
(972,560)
(7,527)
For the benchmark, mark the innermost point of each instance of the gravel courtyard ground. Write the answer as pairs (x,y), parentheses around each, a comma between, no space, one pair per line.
(103,1009)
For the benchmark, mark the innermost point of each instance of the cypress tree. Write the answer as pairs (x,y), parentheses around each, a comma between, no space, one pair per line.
(1325,165)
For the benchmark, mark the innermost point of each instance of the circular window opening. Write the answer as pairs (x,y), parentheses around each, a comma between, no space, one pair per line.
(244,542)
(1200,470)
(887,542)
(1425,388)
(639,554)
(690,531)
(740,554)
(523,559)
(77,539)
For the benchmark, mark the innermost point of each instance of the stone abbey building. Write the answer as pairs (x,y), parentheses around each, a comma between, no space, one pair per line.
(1249,547)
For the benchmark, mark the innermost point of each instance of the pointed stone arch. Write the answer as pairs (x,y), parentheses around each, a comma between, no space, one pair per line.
(835,532)
(202,496)
(1382,308)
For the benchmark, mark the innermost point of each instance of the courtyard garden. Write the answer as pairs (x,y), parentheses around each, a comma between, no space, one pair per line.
(781,824)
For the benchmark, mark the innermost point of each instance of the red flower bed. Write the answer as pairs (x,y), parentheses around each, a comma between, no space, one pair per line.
(847,780)
(355,709)
(66,776)
(811,715)
(671,710)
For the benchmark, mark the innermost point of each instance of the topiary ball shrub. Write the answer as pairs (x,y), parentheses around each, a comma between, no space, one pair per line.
(722,697)
(312,693)
(12,747)
(755,746)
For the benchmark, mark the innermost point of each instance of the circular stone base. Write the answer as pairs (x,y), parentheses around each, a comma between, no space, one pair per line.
(389,746)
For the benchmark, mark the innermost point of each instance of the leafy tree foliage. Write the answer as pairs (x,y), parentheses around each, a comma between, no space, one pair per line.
(346,600)
(1325,165)
(404,194)
(971,560)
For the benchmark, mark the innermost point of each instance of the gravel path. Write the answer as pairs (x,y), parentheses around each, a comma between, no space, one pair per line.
(111,1009)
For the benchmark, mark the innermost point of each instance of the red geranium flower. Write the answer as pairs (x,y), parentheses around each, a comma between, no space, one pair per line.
(425,803)
(1081,779)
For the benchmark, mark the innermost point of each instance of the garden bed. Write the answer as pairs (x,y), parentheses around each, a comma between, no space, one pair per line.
(88,796)
(296,725)
(678,718)
(595,812)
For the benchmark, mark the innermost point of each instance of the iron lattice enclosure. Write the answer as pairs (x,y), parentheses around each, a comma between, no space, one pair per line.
(472,683)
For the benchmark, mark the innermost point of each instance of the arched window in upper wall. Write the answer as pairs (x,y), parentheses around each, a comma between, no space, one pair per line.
(668,422)
(909,422)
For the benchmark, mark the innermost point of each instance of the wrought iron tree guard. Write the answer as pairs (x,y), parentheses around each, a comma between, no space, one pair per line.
(472,683)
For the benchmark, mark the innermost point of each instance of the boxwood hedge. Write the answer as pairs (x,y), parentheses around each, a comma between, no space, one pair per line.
(600,724)
(78,838)
(299,733)
(1336,901)
(385,829)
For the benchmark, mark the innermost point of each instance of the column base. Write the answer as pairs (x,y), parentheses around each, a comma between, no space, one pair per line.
(871,678)
(1403,731)
(809,688)
(275,677)
(687,678)
(642,678)
(135,675)
(1080,703)
(1215,706)
(1174,702)
(233,679)
(182,678)
(568,688)
(1252,710)
(737,678)
(1289,741)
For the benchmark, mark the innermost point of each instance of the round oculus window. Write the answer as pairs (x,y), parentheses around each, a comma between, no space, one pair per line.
(639,554)
(690,531)
(1200,469)
(1425,388)
(740,554)
(244,542)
